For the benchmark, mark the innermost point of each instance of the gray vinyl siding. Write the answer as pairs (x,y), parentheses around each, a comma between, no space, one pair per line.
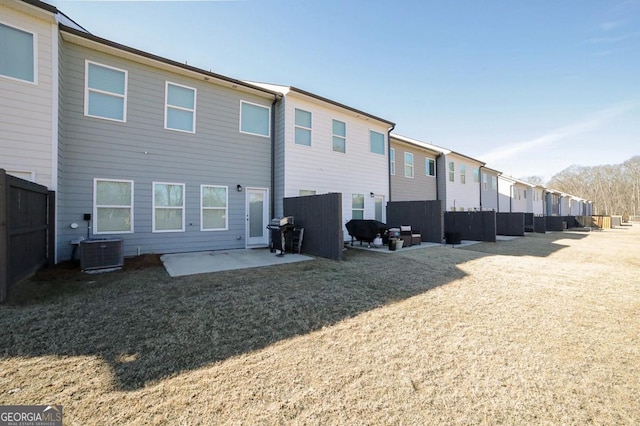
(421,186)
(442,173)
(490,196)
(279,169)
(141,150)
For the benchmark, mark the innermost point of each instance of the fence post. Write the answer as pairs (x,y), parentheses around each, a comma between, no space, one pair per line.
(51,228)
(4,237)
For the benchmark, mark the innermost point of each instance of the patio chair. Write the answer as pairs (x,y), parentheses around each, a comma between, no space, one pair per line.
(410,236)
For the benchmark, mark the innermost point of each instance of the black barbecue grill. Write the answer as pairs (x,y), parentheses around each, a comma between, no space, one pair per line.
(280,229)
(365,230)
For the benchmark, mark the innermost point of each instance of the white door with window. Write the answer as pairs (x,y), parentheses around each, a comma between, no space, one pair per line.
(257,208)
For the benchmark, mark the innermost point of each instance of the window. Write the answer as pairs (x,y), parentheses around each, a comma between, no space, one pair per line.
(213,204)
(476,175)
(17,54)
(339,132)
(525,194)
(305,192)
(180,108)
(463,173)
(430,166)
(392,160)
(494,182)
(376,142)
(112,206)
(408,165)
(105,92)
(452,171)
(255,119)
(303,127)
(357,206)
(168,207)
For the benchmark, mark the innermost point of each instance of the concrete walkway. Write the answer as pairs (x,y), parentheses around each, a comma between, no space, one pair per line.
(181,264)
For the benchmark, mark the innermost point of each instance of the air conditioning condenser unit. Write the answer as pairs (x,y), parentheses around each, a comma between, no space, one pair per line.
(101,254)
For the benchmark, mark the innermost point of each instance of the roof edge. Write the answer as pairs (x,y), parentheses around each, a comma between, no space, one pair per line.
(166,61)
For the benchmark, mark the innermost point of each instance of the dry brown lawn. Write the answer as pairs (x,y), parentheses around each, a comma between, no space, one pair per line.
(540,330)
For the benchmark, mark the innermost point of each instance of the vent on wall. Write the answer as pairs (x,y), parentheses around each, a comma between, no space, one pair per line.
(101,254)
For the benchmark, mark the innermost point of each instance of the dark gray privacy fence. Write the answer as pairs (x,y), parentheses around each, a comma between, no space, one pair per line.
(512,224)
(555,223)
(474,226)
(424,216)
(321,218)
(27,213)
(540,224)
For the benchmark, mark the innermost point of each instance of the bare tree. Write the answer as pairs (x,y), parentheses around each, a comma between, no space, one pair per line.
(614,189)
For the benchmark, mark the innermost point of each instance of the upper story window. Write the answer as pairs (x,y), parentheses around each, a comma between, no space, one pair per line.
(408,165)
(452,171)
(376,142)
(392,160)
(430,166)
(339,133)
(255,119)
(302,127)
(18,54)
(105,92)
(463,173)
(180,108)
(494,182)
(476,175)
(112,206)
(485,182)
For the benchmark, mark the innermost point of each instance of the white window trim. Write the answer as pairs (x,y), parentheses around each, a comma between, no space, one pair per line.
(344,138)
(452,171)
(427,161)
(485,182)
(310,129)
(358,209)
(35,56)
(167,106)
(118,95)
(392,161)
(384,143)
(153,207)
(95,207)
(268,108)
(202,209)
(412,165)
(463,174)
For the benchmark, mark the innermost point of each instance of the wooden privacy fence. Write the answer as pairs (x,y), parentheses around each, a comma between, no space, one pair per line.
(424,216)
(512,224)
(27,212)
(473,226)
(321,218)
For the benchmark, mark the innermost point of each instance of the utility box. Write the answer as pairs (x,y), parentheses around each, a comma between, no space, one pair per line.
(101,254)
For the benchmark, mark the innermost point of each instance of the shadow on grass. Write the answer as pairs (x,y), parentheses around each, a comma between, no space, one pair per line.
(539,245)
(148,326)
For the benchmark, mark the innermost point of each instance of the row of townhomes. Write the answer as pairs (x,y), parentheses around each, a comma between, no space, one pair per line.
(173,158)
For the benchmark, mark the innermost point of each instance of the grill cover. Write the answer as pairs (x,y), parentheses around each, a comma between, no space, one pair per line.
(365,229)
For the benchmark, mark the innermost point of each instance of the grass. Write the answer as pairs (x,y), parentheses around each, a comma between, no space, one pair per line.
(543,329)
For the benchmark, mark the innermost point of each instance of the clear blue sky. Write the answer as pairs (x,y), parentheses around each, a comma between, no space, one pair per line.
(530,87)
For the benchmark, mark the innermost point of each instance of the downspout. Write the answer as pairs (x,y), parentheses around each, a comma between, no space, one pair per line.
(480,184)
(438,177)
(393,126)
(272,200)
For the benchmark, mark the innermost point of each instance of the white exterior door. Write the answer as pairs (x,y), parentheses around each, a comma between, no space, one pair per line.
(257,208)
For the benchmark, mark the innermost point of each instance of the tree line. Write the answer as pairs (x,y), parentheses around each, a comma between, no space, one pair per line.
(614,189)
